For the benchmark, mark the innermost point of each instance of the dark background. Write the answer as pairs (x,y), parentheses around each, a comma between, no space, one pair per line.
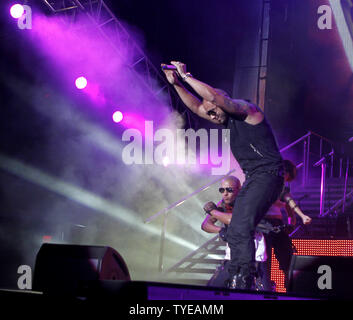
(309,88)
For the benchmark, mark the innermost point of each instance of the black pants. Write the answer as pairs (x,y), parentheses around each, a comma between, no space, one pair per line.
(256,196)
(283,250)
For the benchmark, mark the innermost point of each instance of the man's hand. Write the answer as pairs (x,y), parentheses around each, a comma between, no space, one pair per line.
(209,206)
(306,219)
(181,67)
(171,75)
(223,234)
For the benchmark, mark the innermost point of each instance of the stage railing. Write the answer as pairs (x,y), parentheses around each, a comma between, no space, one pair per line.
(327,155)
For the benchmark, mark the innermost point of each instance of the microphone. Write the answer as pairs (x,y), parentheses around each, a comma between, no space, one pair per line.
(169,67)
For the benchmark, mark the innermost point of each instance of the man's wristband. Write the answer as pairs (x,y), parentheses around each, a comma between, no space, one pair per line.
(186,75)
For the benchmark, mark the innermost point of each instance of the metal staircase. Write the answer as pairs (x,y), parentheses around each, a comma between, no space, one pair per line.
(199,266)
(331,223)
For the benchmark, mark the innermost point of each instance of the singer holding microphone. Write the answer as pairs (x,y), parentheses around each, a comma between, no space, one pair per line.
(254,146)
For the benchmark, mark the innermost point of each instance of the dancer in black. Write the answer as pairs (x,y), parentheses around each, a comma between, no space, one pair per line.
(254,147)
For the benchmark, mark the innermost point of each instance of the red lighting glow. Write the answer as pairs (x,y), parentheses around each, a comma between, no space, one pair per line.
(47,238)
(308,247)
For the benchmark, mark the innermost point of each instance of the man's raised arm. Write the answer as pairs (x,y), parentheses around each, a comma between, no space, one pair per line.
(250,112)
(192,102)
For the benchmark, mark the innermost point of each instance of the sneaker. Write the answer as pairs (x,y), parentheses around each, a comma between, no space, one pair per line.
(241,281)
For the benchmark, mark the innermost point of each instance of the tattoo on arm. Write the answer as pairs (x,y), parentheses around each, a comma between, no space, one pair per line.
(238,107)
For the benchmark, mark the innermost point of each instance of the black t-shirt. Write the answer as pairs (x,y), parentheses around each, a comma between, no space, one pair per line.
(254,146)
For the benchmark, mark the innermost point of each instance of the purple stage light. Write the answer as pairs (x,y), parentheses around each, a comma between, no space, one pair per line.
(134,121)
(81,83)
(17,11)
(117,116)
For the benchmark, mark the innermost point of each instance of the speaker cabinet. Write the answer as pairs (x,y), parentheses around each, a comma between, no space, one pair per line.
(66,269)
(322,276)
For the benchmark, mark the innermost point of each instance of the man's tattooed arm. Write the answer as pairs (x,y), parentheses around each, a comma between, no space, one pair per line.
(236,106)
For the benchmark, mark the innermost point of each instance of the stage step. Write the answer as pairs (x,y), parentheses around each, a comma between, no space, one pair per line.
(136,291)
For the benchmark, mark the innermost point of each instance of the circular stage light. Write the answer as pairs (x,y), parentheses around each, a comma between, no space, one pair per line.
(117,116)
(17,11)
(81,83)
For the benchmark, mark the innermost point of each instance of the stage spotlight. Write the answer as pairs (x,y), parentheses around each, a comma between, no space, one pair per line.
(117,116)
(81,83)
(17,11)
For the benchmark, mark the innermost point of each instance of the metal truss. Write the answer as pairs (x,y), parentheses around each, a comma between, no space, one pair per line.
(144,70)
(263,53)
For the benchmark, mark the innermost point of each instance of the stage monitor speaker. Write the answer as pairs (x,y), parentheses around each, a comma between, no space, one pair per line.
(321,276)
(65,269)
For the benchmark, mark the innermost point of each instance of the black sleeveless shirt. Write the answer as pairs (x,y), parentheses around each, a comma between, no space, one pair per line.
(254,146)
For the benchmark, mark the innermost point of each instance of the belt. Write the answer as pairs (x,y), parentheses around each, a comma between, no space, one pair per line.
(276,172)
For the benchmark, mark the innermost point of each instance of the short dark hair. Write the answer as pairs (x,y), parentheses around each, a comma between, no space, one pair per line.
(290,168)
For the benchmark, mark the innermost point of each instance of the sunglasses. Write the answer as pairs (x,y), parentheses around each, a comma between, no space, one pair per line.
(211,113)
(229,190)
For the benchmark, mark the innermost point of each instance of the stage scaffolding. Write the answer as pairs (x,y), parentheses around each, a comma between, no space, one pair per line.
(116,33)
